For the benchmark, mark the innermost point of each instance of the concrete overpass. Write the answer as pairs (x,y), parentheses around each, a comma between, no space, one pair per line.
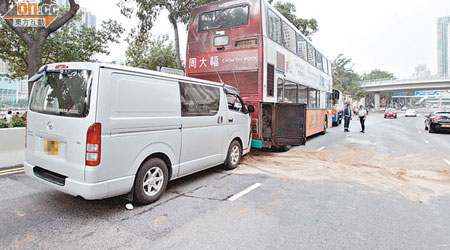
(430,83)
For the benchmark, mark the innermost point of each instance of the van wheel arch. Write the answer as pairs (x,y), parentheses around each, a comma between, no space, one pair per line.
(161,156)
(238,139)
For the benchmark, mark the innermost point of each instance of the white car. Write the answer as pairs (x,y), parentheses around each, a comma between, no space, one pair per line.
(410,113)
(98,130)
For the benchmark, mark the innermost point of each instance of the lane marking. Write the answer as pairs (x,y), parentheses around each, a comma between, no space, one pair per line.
(320,149)
(244,192)
(11,170)
(426,141)
(420,132)
(448,162)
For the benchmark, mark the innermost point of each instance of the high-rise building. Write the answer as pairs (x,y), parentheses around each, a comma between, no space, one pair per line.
(8,89)
(443,45)
(4,67)
(88,19)
(22,91)
(11,90)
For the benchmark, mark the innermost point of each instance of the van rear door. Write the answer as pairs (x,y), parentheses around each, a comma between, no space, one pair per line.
(61,109)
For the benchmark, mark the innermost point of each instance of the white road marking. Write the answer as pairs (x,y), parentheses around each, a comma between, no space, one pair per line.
(360,236)
(426,141)
(320,149)
(348,135)
(244,192)
(448,162)
(420,132)
(351,207)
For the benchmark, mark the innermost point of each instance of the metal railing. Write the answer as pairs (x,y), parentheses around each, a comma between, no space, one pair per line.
(404,80)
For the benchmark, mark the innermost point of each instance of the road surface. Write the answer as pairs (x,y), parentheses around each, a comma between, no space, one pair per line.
(385,189)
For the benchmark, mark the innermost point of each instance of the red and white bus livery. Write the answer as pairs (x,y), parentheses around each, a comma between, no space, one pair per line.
(250,45)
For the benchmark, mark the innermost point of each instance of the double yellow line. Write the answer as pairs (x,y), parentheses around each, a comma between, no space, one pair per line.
(11,171)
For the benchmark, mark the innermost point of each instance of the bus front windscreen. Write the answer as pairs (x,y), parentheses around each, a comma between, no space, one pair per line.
(225,18)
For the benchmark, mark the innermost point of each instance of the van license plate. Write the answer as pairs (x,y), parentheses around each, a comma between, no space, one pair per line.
(51,147)
(446,126)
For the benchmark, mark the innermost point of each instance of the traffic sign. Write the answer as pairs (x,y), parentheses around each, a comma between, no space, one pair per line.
(427,93)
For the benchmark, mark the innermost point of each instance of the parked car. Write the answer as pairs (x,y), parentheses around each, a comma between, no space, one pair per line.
(101,130)
(437,121)
(410,113)
(390,113)
(404,108)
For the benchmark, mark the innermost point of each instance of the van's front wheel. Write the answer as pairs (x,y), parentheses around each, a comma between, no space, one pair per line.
(234,155)
(151,181)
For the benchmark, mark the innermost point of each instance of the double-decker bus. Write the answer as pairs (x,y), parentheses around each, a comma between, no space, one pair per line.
(250,45)
(337,103)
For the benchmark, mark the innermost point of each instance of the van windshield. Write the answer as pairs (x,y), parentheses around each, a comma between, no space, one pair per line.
(63,93)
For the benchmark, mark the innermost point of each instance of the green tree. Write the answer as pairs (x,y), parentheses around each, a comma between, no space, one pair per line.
(148,53)
(30,42)
(345,79)
(306,26)
(148,10)
(377,74)
(72,42)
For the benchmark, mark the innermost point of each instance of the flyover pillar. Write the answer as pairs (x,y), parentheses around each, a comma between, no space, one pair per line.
(377,101)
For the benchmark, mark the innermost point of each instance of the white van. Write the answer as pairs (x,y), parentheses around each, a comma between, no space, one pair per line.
(98,130)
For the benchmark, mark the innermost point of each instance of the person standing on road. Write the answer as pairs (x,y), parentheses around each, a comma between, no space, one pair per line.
(347,117)
(9,116)
(362,113)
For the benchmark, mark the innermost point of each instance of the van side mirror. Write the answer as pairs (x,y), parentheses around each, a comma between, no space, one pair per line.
(251,108)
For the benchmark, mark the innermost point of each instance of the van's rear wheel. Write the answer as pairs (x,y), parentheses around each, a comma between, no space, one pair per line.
(151,181)
(234,155)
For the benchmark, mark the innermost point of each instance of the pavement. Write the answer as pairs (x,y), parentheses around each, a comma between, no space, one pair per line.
(337,192)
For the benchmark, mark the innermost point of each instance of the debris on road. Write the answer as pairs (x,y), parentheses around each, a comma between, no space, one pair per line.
(129,206)
(409,175)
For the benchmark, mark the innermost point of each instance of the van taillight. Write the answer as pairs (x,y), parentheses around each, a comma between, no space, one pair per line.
(93,144)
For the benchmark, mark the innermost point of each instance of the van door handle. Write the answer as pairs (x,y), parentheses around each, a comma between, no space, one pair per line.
(230,119)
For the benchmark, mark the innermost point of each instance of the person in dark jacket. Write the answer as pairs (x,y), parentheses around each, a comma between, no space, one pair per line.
(347,117)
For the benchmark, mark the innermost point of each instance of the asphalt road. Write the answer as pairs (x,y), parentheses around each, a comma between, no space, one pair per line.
(286,211)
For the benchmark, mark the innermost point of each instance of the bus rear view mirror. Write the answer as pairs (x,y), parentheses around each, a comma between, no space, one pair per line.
(251,108)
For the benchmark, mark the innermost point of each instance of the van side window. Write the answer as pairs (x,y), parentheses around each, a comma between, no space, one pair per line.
(234,103)
(199,100)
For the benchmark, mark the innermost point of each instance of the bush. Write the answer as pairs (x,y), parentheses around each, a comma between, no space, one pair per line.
(18,121)
(3,123)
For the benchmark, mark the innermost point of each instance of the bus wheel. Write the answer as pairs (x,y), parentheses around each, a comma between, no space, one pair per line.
(325,125)
(151,181)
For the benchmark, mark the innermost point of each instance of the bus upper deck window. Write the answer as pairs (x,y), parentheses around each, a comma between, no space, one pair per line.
(223,18)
